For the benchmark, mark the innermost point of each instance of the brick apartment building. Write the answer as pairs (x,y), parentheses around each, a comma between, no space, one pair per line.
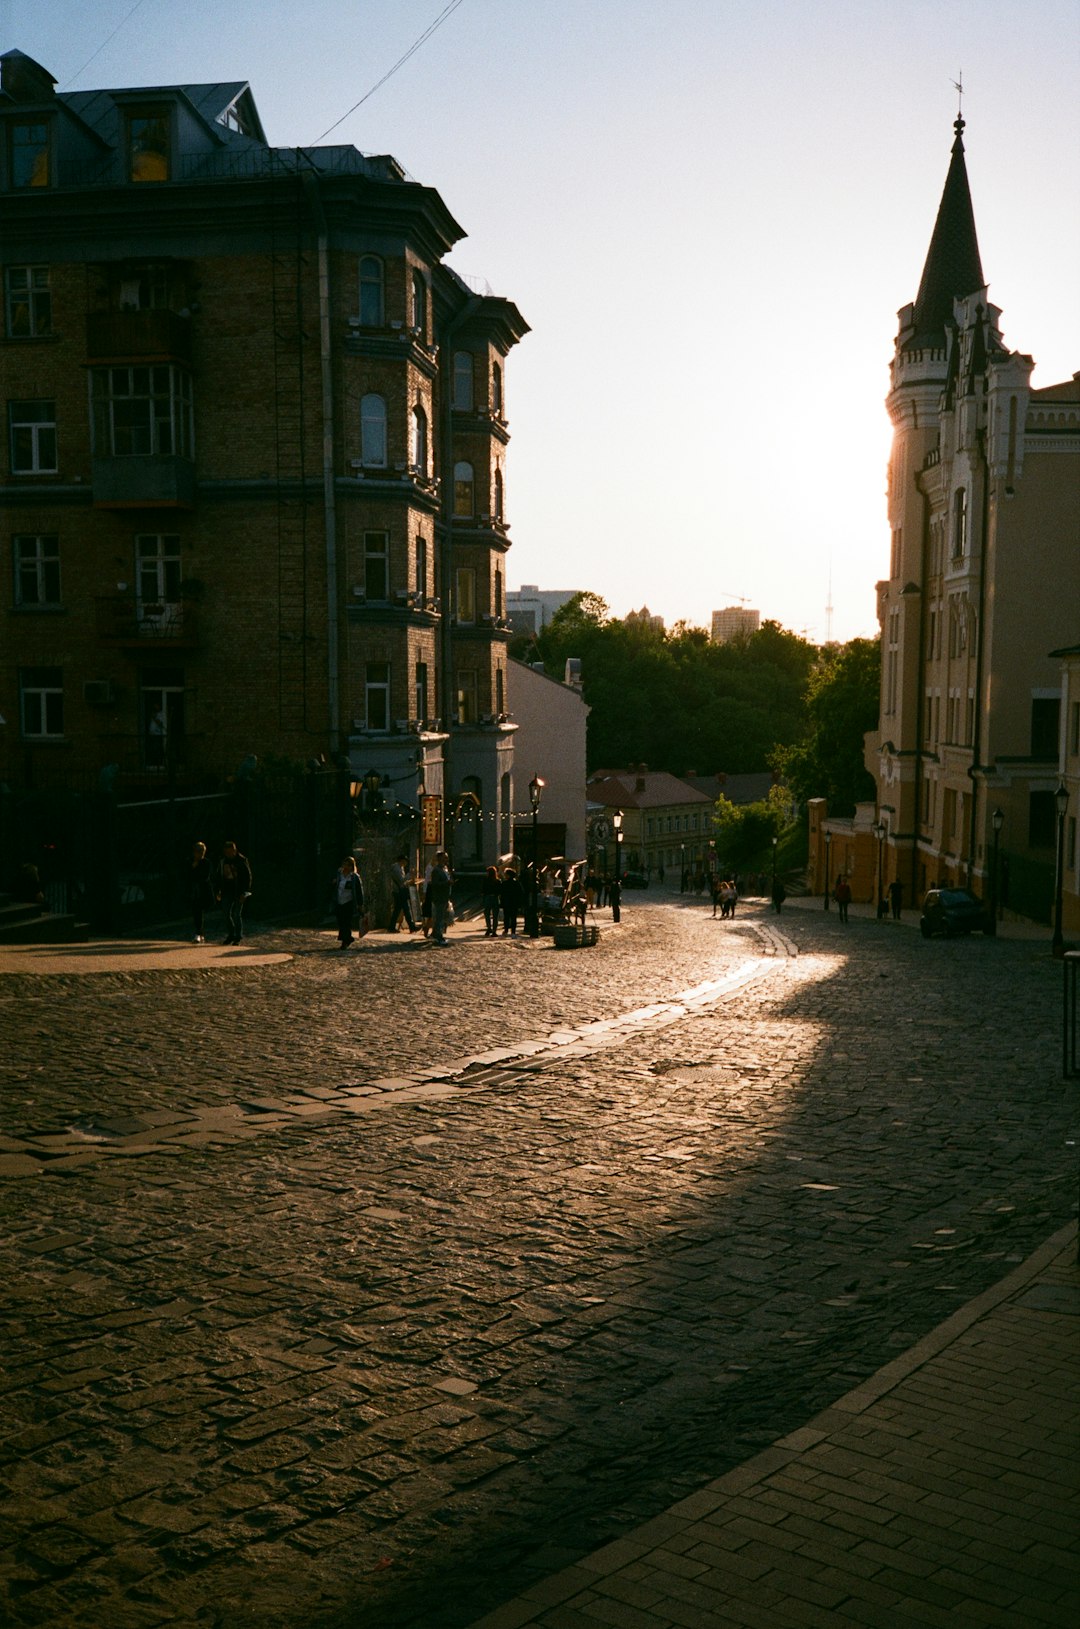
(253,485)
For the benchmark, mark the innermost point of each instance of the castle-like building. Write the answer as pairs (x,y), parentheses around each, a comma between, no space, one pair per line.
(253,496)
(982,599)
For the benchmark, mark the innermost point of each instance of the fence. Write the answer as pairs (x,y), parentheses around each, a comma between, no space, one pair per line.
(124,867)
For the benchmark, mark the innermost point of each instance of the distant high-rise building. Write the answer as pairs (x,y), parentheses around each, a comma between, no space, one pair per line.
(530,608)
(736,622)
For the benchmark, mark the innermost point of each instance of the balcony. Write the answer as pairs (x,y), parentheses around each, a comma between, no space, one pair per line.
(123,622)
(138,336)
(149,481)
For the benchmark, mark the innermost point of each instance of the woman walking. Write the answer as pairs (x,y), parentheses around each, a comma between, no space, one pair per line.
(202,892)
(348,900)
(489,898)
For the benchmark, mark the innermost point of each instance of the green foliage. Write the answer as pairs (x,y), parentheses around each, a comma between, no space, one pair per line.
(841,705)
(676,701)
(744,832)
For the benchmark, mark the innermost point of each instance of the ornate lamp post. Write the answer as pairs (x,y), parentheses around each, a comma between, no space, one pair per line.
(682,868)
(828,865)
(878,829)
(532,926)
(616,887)
(1061,799)
(775,841)
(997,820)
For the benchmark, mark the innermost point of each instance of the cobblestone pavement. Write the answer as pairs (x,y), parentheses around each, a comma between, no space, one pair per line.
(362,1291)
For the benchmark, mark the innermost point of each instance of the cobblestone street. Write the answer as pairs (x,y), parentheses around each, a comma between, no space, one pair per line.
(360,1291)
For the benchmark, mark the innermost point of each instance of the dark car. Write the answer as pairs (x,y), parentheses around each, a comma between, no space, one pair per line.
(951,911)
(635,879)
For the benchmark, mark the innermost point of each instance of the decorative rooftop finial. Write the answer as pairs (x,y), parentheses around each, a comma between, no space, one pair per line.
(958,86)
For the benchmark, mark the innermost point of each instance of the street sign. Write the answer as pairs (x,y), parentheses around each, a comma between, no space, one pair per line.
(430,817)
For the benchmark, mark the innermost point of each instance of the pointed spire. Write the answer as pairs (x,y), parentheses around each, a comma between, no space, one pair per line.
(953,267)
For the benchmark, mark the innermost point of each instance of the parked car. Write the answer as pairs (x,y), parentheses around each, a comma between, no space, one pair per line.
(951,911)
(635,879)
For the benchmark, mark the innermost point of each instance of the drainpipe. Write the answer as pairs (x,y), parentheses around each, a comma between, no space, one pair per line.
(318,215)
(976,745)
(446,675)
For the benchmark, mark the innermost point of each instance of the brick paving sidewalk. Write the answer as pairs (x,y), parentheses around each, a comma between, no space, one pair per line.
(945,1490)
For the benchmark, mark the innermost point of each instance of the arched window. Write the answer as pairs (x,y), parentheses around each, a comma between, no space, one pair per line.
(496,389)
(419,440)
(371,291)
(373,430)
(463,490)
(959,545)
(498,495)
(463,382)
(419,302)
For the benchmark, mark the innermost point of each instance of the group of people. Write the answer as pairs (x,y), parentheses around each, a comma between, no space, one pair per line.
(725,895)
(502,893)
(227,884)
(350,907)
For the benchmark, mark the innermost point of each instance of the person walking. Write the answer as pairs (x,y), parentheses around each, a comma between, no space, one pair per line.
(439,890)
(347,899)
(399,883)
(202,893)
(234,890)
(490,893)
(513,897)
(896,898)
(779,894)
(842,895)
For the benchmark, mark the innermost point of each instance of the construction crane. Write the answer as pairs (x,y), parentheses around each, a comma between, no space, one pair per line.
(742,599)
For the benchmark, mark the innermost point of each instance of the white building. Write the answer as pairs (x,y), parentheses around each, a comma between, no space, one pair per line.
(550,742)
(735,622)
(529,608)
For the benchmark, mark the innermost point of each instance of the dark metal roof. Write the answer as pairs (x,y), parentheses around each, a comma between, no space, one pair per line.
(953,266)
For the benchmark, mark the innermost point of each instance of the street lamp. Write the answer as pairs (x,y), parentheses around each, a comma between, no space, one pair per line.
(997,820)
(532,926)
(828,865)
(616,887)
(373,786)
(775,841)
(1061,799)
(682,868)
(878,829)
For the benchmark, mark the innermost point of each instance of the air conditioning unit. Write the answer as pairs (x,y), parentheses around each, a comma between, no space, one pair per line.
(401,594)
(99,692)
(401,725)
(359,723)
(397,325)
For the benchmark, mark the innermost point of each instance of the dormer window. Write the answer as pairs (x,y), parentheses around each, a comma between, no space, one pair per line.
(29,159)
(148,145)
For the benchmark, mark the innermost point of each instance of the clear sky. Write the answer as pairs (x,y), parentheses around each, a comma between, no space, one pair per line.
(709,211)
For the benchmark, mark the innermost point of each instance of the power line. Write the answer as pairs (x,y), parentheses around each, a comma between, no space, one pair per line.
(446,12)
(102,46)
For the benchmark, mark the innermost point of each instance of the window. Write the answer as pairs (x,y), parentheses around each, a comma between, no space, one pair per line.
(37,570)
(28,154)
(148,146)
(959,542)
(1045,724)
(421,691)
(419,302)
(498,606)
(373,431)
(463,382)
(496,389)
(138,412)
(421,567)
(466,695)
(894,558)
(376,566)
(157,564)
(377,695)
(371,291)
(419,440)
(500,692)
(465,593)
(498,495)
(33,438)
(28,302)
(463,490)
(161,711)
(41,695)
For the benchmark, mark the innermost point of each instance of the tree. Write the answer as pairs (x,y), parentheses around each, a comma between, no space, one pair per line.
(841,706)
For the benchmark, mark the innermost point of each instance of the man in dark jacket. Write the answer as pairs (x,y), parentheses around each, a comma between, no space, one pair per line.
(234,888)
